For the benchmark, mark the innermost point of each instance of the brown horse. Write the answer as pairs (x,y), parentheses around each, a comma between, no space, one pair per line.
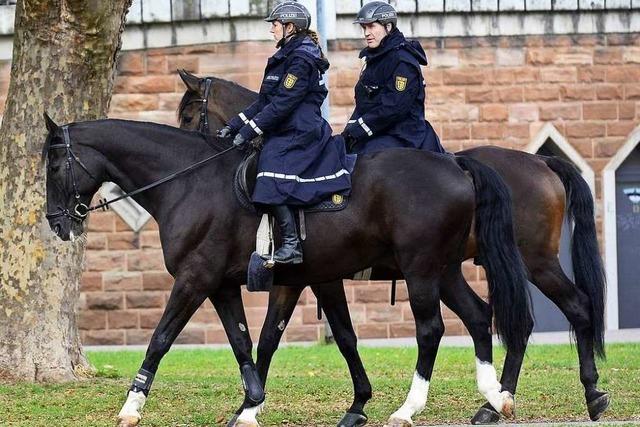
(542,189)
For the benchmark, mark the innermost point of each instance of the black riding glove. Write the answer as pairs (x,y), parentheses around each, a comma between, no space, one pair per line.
(225,132)
(239,141)
(349,141)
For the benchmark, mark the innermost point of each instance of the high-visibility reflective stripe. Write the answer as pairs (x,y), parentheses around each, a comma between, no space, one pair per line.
(255,127)
(243,118)
(298,179)
(365,127)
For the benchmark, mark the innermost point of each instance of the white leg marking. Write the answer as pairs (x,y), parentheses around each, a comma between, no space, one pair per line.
(248,415)
(416,399)
(489,386)
(133,405)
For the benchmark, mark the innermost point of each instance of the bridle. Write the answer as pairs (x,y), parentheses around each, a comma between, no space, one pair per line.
(80,211)
(203,124)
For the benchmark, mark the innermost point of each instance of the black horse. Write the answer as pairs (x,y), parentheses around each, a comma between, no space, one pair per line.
(416,216)
(541,187)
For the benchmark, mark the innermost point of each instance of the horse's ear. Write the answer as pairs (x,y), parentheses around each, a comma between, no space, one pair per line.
(51,125)
(192,82)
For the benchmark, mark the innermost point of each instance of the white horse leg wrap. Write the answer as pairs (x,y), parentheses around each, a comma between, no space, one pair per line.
(416,399)
(248,415)
(488,384)
(134,404)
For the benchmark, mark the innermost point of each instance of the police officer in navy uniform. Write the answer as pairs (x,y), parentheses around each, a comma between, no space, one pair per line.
(390,93)
(300,163)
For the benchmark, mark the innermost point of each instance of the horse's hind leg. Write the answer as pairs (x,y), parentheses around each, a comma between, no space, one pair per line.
(548,276)
(425,304)
(228,305)
(183,302)
(456,294)
(334,303)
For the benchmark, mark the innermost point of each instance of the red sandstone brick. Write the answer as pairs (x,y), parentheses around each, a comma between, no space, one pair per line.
(101,221)
(454,327)
(191,336)
(478,57)
(542,56)
(256,315)
(104,261)
(456,131)
(123,241)
(149,259)
(566,111)
(480,94)
(585,129)
(623,74)
(157,65)
(402,330)
(133,102)
(510,94)
(584,146)
(609,91)
(372,293)
(96,241)
(150,239)
(608,148)
(631,55)
(147,84)
(462,112)
(156,281)
(542,93)
(122,281)
(145,299)
(186,62)
(92,320)
(169,101)
(607,55)
(106,337)
(591,74)
(487,130)
(150,225)
(523,113)
(216,336)
(309,316)
(149,318)
(577,92)
(632,91)
(123,319)
(91,282)
(104,300)
(138,337)
(434,77)
(255,299)
(465,76)
(383,313)
(445,95)
(346,78)
(121,225)
(302,333)
(600,110)
(574,56)
(494,113)
(626,110)
(131,63)
(372,331)
(559,74)
(407,314)
(516,130)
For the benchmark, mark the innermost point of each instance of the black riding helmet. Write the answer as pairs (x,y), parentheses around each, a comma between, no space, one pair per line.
(291,12)
(377,11)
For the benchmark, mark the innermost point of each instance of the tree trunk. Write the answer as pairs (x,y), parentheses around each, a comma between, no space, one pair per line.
(64,57)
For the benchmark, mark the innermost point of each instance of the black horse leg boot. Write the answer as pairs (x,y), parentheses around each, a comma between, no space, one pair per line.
(291,250)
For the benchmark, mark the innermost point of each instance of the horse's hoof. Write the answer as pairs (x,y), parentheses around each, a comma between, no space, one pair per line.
(508,405)
(597,406)
(352,419)
(486,415)
(128,421)
(398,422)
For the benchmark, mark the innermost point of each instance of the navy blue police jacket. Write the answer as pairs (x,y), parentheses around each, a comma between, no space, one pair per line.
(300,162)
(390,97)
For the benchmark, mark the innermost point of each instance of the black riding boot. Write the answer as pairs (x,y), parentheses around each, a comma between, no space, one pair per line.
(291,250)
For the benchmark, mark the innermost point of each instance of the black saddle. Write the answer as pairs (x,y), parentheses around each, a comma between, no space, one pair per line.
(245,181)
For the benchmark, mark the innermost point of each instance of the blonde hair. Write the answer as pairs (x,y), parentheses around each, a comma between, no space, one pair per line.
(315,38)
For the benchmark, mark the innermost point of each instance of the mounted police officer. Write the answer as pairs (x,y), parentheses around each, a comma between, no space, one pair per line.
(300,163)
(390,93)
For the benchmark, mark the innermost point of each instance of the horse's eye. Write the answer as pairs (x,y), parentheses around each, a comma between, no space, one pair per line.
(54,168)
(187,119)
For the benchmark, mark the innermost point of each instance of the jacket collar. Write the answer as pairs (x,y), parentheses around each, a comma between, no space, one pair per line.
(395,40)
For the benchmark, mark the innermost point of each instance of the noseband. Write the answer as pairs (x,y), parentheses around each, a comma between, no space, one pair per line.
(81,210)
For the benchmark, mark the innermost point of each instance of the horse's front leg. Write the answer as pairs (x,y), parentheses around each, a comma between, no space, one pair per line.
(184,301)
(228,304)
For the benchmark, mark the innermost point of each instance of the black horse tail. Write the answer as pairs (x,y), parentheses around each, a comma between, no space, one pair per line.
(499,255)
(587,264)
